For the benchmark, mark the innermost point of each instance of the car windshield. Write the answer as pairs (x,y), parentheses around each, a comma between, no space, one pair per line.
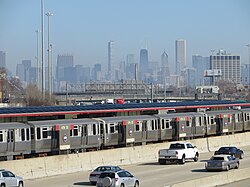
(177,146)
(107,174)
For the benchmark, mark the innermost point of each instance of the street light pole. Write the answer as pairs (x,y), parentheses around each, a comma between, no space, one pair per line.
(37,60)
(42,17)
(49,68)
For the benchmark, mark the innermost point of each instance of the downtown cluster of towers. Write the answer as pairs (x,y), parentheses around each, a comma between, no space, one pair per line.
(65,72)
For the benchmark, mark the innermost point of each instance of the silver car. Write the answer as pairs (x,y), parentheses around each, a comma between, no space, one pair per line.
(222,162)
(8,179)
(122,178)
(93,176)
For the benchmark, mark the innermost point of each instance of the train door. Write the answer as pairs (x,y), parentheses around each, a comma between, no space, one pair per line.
(10,140)
(54,139)
(85,134)
(102,133)
(144,130)
(122,132)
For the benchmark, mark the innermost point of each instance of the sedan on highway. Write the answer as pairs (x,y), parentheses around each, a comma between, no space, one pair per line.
(93,176)
(122,178)
(8,179)
(222,162)
(230,150)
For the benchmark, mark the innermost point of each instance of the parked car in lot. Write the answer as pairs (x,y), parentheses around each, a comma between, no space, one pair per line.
(8,179)
(222,162)
(230,150)
(122,178)
(93,176)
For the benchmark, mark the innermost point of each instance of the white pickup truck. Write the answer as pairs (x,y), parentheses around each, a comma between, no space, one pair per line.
(179,152)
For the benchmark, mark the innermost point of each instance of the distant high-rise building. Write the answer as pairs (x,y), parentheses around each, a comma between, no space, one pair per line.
(97,72)
(165,74)
(130,66)
(110,60)
(63,61)
(245,79)
(189,77)
(201,64)
(229,65)
(20,72)
(27,66)
(2,59)
(180,55)
(143,66)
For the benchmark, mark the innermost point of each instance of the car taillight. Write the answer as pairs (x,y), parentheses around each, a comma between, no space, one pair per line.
(176,152)
(116,179)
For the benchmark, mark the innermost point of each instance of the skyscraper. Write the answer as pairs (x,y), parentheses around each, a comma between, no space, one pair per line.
(180,55)
(143,67)
(229,65)
(110,60)
(200,64)
(164,69)
(2,59)
(130,66)
(63,61)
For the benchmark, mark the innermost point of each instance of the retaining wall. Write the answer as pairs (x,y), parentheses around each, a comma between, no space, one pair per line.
(61,164)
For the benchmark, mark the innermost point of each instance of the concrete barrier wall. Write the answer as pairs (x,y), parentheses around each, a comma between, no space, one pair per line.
(218,179)
(61,164)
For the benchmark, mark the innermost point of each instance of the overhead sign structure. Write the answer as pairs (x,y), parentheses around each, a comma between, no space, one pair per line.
(212,73)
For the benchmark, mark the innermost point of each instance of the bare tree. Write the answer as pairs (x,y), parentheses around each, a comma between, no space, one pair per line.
(34,97)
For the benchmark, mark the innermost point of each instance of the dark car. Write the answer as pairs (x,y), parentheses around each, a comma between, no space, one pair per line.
(230,150)
(95,174)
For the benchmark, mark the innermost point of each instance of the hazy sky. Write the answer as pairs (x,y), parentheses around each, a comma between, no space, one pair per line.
(84,27)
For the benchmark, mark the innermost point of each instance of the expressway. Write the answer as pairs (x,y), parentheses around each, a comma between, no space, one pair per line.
(149,173)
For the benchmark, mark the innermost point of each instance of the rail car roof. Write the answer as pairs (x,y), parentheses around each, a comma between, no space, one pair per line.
(174,115)
(13,125)
(50,110)
(120,118)
(63,122)
(223,112)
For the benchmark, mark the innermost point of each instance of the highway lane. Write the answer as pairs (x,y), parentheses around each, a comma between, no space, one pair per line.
(150,173)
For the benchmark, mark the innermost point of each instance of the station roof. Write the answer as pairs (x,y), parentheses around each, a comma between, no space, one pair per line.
(106,108)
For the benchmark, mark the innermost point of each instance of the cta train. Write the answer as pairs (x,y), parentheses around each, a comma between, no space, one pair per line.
(51,137)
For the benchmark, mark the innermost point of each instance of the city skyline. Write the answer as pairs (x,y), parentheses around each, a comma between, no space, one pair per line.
(84,28)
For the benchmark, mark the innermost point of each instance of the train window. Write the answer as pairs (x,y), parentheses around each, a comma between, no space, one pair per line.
(137,127)
(162,124)
(187,123)
(152,124)
(1,136)
(27,134)
(247,117)
(106,126)
(75,130)
(229,120)
(236,118)
(200,122)
(94,129)
(212,120)
(168,124)
(45,133)
(38,133)
(112,128)
(22,134)
(32,133)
